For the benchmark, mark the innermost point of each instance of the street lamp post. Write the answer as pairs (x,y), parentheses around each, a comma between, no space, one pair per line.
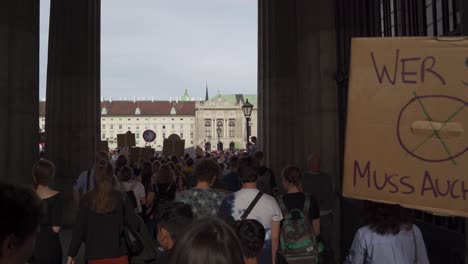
(247,110)
(218,131)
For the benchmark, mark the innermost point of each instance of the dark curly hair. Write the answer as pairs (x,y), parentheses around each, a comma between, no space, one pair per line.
(208,241)
(385,218)
(248,169)
(251,235)
(207,170)
(22,215)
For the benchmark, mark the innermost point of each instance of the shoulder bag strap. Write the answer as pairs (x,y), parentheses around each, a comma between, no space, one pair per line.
(415,246)
(251,206)
(88,180)
(282,205)
(169,187)
(307,207)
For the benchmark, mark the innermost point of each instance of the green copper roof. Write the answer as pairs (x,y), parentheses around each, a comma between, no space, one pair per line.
(186,96)
(238,98)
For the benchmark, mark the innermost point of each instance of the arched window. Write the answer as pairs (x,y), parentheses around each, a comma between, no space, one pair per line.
(232,126)
(173,111)
(208,128)
(137,111)
(104,111)
(220,125)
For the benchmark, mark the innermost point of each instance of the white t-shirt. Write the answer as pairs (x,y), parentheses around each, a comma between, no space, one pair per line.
(265,211)
(138,190)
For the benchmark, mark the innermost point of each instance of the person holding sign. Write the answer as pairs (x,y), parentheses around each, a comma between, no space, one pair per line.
(388,237)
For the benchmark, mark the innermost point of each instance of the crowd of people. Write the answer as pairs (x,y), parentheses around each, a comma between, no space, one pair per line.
(200,210)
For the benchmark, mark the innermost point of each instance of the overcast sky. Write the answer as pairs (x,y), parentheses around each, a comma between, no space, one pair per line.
(162,47)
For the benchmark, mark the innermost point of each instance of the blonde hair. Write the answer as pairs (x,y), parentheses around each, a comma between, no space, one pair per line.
(102,201)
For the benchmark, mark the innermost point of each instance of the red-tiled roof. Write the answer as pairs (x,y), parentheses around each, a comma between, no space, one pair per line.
(147,108)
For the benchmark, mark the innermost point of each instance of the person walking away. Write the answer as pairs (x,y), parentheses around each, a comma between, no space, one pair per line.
(133,188)
(22,212)
(388,237)
(85,182)
(263,208)
(47,248)
(232,178)
(320,185)
(180,177)
(204,200)
(100,222)
(301,217)
(173,220)
(208,241)
(266,181)
(252,236)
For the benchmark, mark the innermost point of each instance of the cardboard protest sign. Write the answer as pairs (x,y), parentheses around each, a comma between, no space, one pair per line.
(126,140)
(407,123)
(173,146)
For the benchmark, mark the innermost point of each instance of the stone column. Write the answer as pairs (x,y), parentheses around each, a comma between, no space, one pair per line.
(73,90)
(19,85)
(298,99)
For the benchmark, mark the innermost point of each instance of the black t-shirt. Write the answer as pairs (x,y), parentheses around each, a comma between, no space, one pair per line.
(297,200)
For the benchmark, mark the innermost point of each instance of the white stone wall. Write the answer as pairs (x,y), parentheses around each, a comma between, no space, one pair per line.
(183,126)
(222,113)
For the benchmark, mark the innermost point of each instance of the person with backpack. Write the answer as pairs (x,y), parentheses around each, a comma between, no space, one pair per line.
(301,224)
(250,203)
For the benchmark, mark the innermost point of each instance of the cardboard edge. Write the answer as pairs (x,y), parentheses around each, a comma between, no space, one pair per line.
(431,210)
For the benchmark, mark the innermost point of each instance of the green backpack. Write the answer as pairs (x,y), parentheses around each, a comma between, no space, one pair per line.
(298,244)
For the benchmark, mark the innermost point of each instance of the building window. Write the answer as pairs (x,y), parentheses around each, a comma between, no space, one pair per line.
(137,135)
(120,126)
(137,111)
(104,111)
(103,126)
(111,126)
(137,127)
(182,135)
(173,111)
(219,124)
(103,135)
(181,126)
(207,128)
(232,126)
(164,135)
(164,127)
(191,126)
(191,135)
(172,126)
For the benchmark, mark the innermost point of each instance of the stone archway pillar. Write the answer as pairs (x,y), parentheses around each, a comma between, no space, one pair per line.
(19,86)
(73,90)
(298,95)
